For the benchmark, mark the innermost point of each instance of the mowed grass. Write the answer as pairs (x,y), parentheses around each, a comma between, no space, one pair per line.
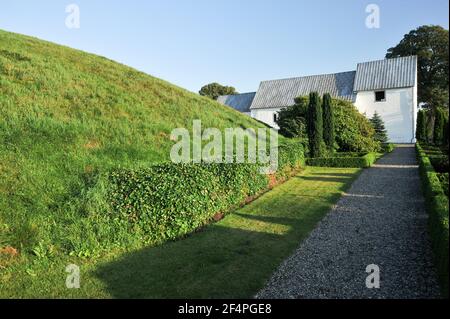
(229,259)
(66,116)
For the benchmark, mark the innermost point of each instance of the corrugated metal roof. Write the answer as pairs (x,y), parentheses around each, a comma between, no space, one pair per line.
(281,93)
(240,102)
(386,74)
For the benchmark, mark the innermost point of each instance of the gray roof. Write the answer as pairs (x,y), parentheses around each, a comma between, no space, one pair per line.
(240,102)
(386,74)
(281,93)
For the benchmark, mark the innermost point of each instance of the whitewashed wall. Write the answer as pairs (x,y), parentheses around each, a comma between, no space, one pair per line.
(266,116)
(398,112)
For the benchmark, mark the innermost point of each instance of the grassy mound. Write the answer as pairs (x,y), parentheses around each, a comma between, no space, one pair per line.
(66,116)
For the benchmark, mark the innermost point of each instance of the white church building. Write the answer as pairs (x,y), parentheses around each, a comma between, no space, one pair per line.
(387,86)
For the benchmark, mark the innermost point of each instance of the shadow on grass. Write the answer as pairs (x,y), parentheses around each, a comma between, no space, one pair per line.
(232,258)
(219,262)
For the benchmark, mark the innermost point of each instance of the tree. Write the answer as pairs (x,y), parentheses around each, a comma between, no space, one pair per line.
(421,130)
(328,123)
(380,130)
(430,43)
(439,126)
(214,90)
(292,119)
(315,126)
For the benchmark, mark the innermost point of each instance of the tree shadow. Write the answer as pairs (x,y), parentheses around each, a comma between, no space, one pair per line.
(207,264)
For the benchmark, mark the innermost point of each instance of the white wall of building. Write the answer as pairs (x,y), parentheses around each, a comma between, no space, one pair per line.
(398,112)
(266,116)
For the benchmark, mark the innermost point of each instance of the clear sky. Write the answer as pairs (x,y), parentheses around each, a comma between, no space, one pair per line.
(233,42)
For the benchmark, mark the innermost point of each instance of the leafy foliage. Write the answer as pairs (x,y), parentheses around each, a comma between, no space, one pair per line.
(421,130)
(439,127)
(315,126)
(214,90)
(344,161)
(353,131)
(167,201)
(438,209)
(380,130)
(430,43)
(328,123)
(292,119)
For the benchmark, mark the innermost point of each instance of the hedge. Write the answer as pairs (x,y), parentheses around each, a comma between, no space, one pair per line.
(388,148)
(437,207)
(167,201)
(350,161)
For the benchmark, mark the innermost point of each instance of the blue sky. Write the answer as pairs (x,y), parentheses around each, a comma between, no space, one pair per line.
(234,42)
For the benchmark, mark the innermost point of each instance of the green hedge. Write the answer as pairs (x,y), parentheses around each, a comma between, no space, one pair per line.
(168,200)
(388,147)
(437,207)
(350,161)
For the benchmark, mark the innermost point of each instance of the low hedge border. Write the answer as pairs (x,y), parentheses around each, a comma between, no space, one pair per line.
(168,201)
(345,162)
(438,208)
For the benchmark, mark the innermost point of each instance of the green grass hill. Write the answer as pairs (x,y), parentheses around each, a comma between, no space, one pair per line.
(65,117)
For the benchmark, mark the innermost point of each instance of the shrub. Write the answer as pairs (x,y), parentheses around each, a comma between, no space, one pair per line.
(353,131)
(348,161)
(328,123)
(439,126)
(380,130)
(315,126)
(387,148)
(167,201)
(292,119)
(437,207)
(421,131)
(440,163)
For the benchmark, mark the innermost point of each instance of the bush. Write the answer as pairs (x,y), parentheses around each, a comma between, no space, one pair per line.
(167,201)
(328,123)
(440,163)
(380,130)
(439,126)
(437,207)
(315,126)
(353,131)
(443,178)
(421,130)
(292,119)
(388,147)
(348,161)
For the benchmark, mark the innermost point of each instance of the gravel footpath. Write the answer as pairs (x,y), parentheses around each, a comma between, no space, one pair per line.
(380,220)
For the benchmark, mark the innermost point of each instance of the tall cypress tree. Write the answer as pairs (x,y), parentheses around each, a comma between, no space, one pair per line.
(328,122)
(380,130)
(438,134)
(315,125)
(421,129)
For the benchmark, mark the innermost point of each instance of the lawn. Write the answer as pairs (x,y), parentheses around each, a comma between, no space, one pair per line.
(229,259)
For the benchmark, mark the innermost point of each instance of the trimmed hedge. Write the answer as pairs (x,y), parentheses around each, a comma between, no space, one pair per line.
(350,161)
(167,201)
(388,148)
(437,207)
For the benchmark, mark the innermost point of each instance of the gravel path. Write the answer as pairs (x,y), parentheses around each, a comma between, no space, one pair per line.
(381,220)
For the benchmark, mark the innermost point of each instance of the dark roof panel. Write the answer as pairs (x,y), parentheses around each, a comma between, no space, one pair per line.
(281,93)
(240,102)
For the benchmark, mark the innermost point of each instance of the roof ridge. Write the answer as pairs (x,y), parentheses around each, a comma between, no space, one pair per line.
(307,76)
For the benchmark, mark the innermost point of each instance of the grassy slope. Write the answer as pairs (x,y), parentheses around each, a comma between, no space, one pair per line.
(65,115)
(232,258)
